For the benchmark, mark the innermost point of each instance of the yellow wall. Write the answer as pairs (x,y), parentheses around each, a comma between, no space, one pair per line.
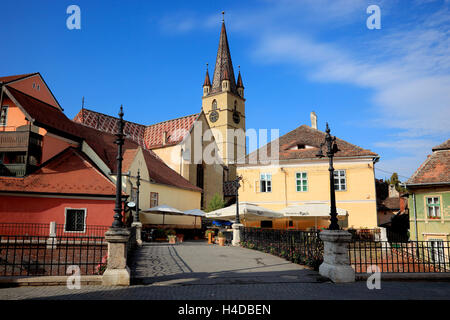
(359,199)
(213,173)
(181,199)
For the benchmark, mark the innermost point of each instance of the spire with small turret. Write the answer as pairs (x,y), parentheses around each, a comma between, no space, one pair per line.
(224,66)
(207,83)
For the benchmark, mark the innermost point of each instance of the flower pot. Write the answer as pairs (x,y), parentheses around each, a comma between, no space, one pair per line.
(172,239)
(222,241)
(210,238)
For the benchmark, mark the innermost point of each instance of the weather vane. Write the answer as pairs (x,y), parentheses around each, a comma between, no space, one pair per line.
(223,16)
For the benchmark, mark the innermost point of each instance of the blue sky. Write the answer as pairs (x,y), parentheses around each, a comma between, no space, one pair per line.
(387,90)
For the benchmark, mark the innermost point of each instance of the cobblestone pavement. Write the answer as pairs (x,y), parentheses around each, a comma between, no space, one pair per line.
(196,271)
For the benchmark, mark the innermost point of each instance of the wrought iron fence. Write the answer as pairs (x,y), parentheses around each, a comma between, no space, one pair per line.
(43,229)
(414,256)
(44,256)
(89,231)
(302,247)
(25,229)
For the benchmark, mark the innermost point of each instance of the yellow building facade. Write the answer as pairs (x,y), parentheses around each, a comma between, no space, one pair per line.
(298,178)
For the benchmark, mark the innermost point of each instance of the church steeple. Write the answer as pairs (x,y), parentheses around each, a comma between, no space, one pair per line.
(224,66)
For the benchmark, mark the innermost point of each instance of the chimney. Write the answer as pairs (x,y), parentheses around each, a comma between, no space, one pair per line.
(393,193)
(164,138)
(313,120)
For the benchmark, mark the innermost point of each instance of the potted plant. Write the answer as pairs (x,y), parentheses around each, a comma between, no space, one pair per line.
(210,235)
(180,237)
(171,236)
(222,239)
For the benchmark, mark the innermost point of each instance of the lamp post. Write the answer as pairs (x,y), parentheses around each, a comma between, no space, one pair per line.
(118,223)
(332,149)
(138,183)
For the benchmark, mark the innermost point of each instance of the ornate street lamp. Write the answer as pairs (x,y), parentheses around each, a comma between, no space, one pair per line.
(118,223)
(237,185)
(332,149)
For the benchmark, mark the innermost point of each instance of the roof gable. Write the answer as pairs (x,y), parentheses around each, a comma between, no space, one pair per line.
(70,172)
(304,142)
(434,170)
(34,85)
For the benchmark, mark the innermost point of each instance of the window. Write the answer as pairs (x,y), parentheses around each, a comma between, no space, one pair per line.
(3,115)
(75,220)
(266,224)
(266,182)
(340,181)
(301,179)
(154,199)
(214,105)
(433,208)
(235,105)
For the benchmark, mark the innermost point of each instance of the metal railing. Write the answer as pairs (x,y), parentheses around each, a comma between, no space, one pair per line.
(89,231)
(43,229)
(49,256)
(302,247)
(400,257)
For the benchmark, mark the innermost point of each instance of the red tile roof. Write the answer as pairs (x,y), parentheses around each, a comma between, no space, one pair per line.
(149,137)
(101,142)
(443,146)
(70,172)
(7,79)
(45,115)
(311,139)
(435,169)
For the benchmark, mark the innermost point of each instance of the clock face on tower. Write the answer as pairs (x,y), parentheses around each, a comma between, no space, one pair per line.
(236,117)
(214,116)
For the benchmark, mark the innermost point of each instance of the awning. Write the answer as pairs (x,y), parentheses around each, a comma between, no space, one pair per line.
(313,210)
(195,212)
(164,210)
(247,211)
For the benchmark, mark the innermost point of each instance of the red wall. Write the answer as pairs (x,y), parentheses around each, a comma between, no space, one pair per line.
(17,209)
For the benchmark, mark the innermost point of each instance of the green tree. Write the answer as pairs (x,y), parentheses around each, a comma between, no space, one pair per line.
(216,203)
(396,182)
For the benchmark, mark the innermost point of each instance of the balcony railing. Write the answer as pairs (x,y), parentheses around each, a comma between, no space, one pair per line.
(13,169)
(11,141)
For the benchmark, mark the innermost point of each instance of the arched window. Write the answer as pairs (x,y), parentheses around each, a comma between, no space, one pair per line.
(235,105)
(214,105)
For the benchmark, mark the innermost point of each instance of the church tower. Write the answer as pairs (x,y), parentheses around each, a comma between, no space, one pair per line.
(224,106)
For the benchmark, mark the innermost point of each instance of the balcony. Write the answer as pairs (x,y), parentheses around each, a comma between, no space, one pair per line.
(13,170)
(17,141)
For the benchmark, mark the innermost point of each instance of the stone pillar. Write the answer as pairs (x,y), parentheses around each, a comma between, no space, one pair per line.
(138,227)
(117,273)
(236,234)
(336,262)
(51,241)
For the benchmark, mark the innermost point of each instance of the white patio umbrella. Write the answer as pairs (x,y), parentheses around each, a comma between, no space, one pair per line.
(196,213)
(311,210)
(247,211)
(163,209)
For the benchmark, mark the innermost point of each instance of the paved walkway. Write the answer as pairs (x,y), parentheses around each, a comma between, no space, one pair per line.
(197,271)
(195,263)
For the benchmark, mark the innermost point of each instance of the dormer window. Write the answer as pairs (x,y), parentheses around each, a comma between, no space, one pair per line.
(300,146)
